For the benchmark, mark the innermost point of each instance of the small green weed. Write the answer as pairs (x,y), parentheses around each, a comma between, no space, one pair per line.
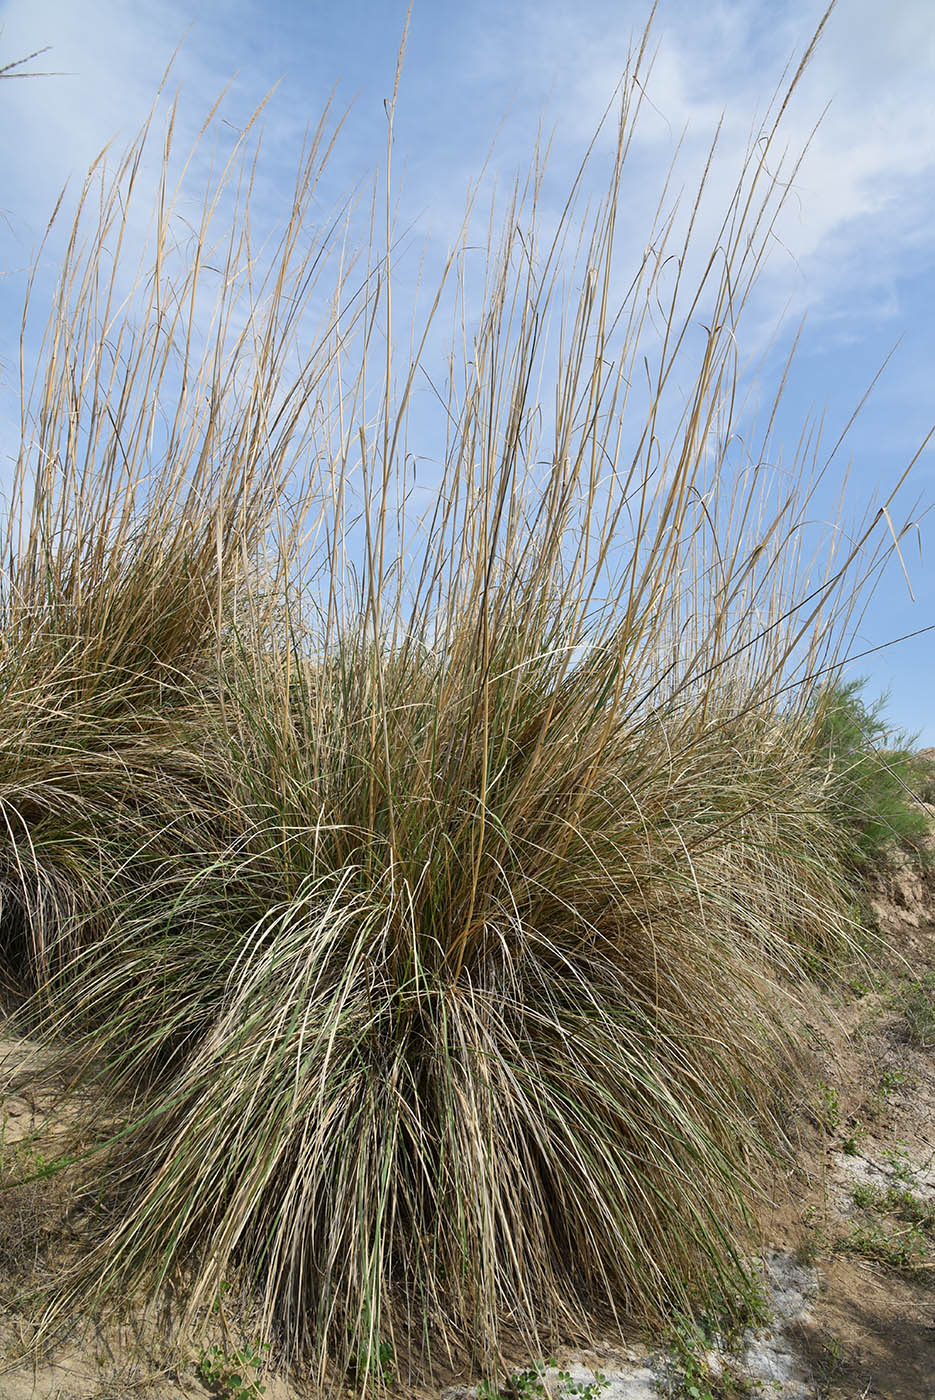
(828,1111)
(878,1099)
(917,1005)
(851,1144)
(902,1164)
(909,1207)
(720,1326)
(531,1382)
(903,1250)
(22,1158)
(378,1362)
(901,1203)
(518,1386)
(35,1196)
(691,1376)
(233,1375)
(723,1319)
(868,979)
(584,1390)
(869,1197)
(228,1374)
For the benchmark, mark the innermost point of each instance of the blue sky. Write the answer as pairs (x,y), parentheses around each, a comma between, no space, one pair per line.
(857,250)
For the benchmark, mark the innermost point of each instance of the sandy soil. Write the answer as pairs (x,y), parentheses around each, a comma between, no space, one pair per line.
(866,1168)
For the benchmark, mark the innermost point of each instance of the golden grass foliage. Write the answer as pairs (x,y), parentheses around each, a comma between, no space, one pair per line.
(417,872)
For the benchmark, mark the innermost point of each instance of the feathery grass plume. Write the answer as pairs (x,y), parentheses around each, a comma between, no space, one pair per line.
(168,412)
(467,1015)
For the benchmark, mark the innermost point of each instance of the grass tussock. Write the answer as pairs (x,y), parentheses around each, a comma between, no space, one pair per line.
(418,871)
(155,441)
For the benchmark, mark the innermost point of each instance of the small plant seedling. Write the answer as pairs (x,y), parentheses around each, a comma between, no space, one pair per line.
(377,1362)
(851,1144)
(691,1377)
(867,979)
(531,1382)
(584,1390)
(385,1362)
(828,1111)
(902,1164)
(724,1319)
(830,1360)
(22,1157)
(869,1197)
(719,1327)
(233,1375)
(903,1246)
(879,1099)
(521,1385)
(907,1206)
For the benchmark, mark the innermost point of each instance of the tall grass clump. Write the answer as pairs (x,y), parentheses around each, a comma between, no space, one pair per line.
(155,441)
(441,995)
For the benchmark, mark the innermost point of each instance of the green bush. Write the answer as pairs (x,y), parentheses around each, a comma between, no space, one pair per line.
(925,775)
(870,776)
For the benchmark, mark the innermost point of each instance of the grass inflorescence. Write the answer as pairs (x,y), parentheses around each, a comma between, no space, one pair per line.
(418,874)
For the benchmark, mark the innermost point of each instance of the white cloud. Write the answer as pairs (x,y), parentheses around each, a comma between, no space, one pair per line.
(874,152)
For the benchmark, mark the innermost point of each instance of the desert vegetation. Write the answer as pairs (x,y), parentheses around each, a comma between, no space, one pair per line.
(417,860)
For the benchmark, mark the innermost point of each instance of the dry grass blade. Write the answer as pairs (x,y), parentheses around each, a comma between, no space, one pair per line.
(165,425)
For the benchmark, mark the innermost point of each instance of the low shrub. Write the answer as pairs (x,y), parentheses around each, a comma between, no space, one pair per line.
(870,782)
